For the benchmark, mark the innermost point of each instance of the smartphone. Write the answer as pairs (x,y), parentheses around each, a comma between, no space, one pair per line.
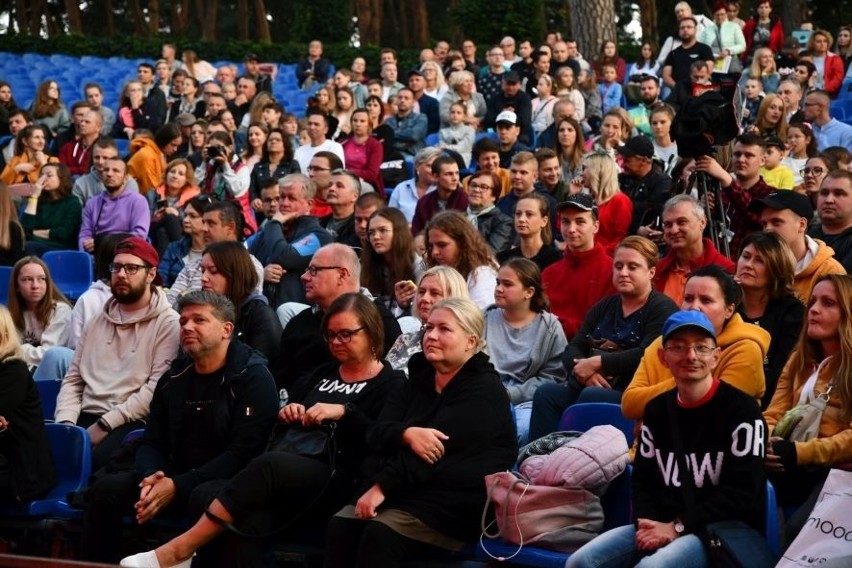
(162,204)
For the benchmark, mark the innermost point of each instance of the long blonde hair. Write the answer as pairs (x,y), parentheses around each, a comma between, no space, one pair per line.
(8,218)
(603,174)
(10,345)
(808,352)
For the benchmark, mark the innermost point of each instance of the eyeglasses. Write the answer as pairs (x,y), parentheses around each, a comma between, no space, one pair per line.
(129,269)
(479,187)
(318,169)
(269,200)
(700,350)
(344,335)
(812,171)
(314,270)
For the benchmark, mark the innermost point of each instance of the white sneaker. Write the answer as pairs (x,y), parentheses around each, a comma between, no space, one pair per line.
(149,560)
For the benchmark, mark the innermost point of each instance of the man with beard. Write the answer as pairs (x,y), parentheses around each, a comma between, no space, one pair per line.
(91,184)
(649,92)
(121,353)
(211,413)
(116,210)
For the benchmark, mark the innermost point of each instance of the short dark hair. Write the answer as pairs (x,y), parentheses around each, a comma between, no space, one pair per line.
(97,86)
(222,307)
(484,145)
(730,289)
(334,161)
(751,140)
(166,133)
(229,212)
(441,161)
(367,314)
(370,199)
(145,65)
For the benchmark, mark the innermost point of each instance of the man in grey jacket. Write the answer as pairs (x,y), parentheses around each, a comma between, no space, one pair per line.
(91,184)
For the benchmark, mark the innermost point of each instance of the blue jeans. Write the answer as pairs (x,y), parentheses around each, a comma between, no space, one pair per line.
(54,364)
(550,401)
(617,548)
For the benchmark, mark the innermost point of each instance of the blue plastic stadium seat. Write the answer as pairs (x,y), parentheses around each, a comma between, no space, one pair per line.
(71,270)
(432,139)
(72,458)
(5,277)
(48,391)
(581,417)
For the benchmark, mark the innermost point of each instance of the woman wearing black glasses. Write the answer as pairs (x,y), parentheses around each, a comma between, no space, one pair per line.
(814,172)
(315,461)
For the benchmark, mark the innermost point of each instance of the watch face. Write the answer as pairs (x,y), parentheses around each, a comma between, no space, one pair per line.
(678,527)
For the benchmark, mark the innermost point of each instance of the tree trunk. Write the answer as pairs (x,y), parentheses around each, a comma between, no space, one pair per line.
(75,20)
(263,34)
(242,20)
(110,20)
(369,13)
(140,27)
(153,17)
(418,17)
(180,13)
(36,10)
(592,22)
(648,19)
(792,13)
(206,11)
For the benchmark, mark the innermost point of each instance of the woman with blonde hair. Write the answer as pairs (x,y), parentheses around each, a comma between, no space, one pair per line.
(463,88)
(436,86)
(567,87)
(42,315)
(434,285)
(542,105)
(11,232)
(820,367)
(615,208)
(829,66)
(451,240)
(763,68)
(28,471)
(771,119)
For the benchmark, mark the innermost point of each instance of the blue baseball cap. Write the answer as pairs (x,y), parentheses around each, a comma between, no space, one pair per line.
(688,319)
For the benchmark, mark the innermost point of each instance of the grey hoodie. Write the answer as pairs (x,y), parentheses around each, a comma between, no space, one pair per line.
(118,362)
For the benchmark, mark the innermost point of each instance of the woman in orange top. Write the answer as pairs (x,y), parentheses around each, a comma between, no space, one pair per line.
(30,156)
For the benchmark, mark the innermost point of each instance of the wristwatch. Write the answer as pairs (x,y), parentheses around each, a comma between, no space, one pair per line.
(678,527)
(104,425)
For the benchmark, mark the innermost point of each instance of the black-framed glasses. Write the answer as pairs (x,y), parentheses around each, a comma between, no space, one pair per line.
(700,350)
(815,171)
(344,335)
(479,187)
(318,169)
(314,270)
(129,268)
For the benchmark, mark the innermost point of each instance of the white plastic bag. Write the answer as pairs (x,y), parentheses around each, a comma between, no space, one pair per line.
(826,539)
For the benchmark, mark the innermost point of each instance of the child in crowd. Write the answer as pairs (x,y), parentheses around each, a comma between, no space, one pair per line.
(290,126)
(458,136)
(609,88)
(773,172)
(229,91)
(753,91)
(272,113)
(801,145)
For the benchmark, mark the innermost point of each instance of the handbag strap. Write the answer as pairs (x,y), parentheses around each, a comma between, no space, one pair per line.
(507,501)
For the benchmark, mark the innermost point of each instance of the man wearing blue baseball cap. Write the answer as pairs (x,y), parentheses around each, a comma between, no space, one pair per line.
(699,458)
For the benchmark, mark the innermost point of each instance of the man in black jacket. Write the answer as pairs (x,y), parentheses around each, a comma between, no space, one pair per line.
(644,184)
(211,413)
(288,240)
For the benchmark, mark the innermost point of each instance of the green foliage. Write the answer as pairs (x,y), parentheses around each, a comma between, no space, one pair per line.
(486,21)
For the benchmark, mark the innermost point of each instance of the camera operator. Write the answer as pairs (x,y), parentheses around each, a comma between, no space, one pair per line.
(646,185)
(222,174)
(740,188)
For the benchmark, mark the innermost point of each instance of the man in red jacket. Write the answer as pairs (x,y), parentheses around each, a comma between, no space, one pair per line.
(684,220)
(584,275)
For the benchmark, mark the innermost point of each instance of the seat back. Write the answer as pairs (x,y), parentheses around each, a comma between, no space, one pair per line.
(582,416)
(48,391)
(72,271)
(5,278)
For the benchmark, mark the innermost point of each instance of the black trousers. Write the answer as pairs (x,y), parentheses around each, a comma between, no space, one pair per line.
(102,452)
(111,498)
(371,544)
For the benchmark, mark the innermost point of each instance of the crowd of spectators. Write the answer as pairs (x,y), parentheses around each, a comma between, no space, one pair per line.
(534,199)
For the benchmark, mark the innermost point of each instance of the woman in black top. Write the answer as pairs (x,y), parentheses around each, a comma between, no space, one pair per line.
(26,465)
(227,269)
(275,163)
(316,461)
(436,438)
(603,356)
(765,272)
(535,235)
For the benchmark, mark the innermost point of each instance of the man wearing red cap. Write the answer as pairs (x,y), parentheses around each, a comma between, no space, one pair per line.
(121,353)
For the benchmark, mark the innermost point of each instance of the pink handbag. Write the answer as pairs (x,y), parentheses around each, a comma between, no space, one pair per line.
(556,518)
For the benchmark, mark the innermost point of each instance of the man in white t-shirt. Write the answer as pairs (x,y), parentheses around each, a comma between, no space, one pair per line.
(317,132)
